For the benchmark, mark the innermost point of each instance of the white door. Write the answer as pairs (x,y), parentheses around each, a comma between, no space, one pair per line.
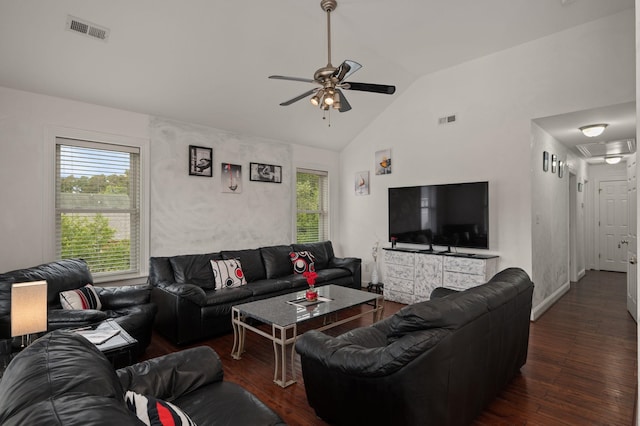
(632,249)
(614,225)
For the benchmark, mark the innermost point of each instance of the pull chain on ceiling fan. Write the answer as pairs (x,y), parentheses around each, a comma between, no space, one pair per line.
(331,79)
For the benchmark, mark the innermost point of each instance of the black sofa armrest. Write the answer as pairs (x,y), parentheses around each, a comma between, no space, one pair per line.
(439,292)
(190,292)
(170,376)
(340,354)
(124,296)
(71,318)
(352,264)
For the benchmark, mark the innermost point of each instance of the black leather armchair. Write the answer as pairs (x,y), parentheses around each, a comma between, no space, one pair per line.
(62,379)
(130,306)
(437,362)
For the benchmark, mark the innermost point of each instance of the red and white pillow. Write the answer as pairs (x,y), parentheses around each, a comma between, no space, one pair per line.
(228,273)
(303,261)
(81,298)
(156,412)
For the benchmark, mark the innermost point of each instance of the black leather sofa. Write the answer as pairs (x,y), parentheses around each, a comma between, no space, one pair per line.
(62,379)
(129,306)
(190,308)
(437,362)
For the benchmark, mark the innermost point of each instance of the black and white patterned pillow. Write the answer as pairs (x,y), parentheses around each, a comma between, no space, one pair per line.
(303,261)
(228,273)
(156,412)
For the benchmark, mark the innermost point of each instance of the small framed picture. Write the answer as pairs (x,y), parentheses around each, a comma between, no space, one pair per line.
(545,161)
(265,173)
(200,161)
(579,186)
(362,183)
(560,169)
(231,178)
(383,162)
(554,163)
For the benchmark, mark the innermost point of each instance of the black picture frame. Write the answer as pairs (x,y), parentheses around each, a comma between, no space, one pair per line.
(560,169)
(554,163)
(260,172)
(200,161)
(579,186)
(545,161)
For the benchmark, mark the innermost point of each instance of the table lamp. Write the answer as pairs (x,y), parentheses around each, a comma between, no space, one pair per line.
(28,309)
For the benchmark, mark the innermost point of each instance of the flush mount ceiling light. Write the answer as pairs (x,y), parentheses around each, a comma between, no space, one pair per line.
(613,160)
(593,130)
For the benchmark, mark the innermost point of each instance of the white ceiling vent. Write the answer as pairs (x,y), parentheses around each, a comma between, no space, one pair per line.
(601,149)
(449,119)
(87,28)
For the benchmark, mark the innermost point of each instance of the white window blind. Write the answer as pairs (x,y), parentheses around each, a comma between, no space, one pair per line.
(312,201)
(98,205)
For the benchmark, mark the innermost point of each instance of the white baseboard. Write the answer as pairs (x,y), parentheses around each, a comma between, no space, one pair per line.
(549,301)
(581,274)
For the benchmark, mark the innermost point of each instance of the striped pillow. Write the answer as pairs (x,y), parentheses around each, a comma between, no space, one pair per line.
(156,412)
(81,298)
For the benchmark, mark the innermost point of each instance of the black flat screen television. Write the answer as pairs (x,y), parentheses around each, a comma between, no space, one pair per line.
(452,215)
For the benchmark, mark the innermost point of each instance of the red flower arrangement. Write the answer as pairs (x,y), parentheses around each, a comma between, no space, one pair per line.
(312,293)
(311,277)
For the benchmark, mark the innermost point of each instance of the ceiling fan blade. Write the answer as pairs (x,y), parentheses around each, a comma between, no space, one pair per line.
(345,69)
(369,87)
(344,104)
(297,98)
(282,77)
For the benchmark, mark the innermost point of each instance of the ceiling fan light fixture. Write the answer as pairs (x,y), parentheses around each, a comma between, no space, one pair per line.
(317,98)
(336,100)
(593,130)
(613,159)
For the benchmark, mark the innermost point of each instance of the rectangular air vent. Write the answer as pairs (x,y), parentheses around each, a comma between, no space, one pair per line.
(89,29)
(449,119)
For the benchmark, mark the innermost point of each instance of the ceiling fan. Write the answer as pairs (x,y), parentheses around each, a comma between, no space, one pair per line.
(332,79)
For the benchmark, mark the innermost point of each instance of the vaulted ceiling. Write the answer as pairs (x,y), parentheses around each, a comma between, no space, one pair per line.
(206,62)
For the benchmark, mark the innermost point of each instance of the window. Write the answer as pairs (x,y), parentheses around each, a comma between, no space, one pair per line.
(312,201)
(97,203)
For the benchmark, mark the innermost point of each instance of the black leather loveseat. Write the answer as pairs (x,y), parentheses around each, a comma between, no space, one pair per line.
(438,362)
(129,306)
(62,379)
(190,307)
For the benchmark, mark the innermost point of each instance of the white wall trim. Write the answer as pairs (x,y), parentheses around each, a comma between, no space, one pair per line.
(537,312)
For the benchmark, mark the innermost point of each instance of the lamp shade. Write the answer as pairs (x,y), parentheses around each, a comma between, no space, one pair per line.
(28,308)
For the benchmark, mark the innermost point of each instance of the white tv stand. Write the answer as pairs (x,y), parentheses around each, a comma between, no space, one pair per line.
(411,275)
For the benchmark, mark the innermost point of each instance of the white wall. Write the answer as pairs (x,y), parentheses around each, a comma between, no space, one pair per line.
(495,98)
(26,170)
(188,214)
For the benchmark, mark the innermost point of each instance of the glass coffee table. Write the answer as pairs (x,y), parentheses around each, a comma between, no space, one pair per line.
(284,313)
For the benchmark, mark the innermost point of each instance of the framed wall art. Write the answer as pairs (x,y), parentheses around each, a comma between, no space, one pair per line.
(231,178)
(362,183)
(383,162)
(545,161)
(200,161)
(259,172)
(554,163)
(560,169)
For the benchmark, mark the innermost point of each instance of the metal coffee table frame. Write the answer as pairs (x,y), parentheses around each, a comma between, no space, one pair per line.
(285,312)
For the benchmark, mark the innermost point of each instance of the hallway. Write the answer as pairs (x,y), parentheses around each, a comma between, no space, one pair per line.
(582,361)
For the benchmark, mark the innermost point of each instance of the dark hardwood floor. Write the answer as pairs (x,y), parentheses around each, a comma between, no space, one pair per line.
(581,368)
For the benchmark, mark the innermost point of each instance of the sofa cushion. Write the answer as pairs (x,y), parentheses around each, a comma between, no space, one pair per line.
(194,269)
(258,288)
(156,412)
(80,298)
(276,261)
(228,273)
(251,261)
(322,251)
(303,261)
